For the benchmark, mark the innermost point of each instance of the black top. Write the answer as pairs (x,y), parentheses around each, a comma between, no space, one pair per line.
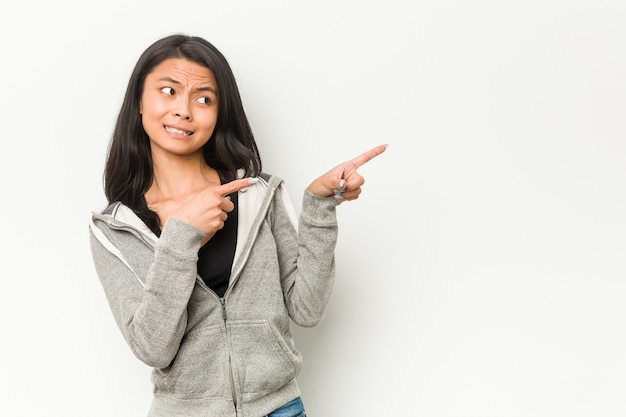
(215,258)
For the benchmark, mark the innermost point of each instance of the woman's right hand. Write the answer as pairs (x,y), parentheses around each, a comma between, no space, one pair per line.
(208,210)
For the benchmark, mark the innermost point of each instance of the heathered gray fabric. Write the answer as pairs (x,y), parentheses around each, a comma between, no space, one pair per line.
(203,364)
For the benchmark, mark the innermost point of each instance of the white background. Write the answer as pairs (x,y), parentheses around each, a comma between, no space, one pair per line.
(481,273)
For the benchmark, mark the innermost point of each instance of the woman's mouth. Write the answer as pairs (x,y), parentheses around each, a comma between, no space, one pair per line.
(176,131)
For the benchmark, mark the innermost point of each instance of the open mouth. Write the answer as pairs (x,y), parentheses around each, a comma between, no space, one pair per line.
(176,131)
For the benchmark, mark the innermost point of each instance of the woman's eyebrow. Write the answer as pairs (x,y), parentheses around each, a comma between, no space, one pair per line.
(206,88)
(170,80)
(203,88)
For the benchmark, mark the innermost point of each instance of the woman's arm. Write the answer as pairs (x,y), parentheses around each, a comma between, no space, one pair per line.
(151,310)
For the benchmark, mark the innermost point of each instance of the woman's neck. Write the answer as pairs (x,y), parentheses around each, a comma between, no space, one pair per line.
(176,178)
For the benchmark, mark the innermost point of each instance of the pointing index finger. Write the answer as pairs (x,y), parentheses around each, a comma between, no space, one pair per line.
(237,185)
(369,155)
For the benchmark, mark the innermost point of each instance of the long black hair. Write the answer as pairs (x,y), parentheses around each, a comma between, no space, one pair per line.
(129,171)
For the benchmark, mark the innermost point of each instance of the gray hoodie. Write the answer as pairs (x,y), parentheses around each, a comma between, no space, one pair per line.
(212,356)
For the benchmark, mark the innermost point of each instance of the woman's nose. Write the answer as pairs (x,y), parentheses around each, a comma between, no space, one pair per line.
(182,110)
(182,115)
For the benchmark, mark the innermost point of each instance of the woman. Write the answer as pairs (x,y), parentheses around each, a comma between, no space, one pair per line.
(199,252)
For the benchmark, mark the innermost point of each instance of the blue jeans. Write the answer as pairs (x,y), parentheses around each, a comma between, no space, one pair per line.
(293,408)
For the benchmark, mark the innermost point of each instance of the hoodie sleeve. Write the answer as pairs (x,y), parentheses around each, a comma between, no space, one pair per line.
(150,308)
(306,255)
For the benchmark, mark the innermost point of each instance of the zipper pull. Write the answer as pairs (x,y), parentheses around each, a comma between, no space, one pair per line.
(223,302)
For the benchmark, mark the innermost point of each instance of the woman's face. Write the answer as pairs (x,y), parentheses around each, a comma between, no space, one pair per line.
(179,107)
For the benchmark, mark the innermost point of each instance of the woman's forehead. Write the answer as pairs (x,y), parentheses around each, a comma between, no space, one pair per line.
(182,71)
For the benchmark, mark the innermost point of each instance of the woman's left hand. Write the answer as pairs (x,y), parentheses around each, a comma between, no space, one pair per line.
(343,182)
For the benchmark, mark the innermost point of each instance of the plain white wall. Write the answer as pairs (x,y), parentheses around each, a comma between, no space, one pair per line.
(481,273)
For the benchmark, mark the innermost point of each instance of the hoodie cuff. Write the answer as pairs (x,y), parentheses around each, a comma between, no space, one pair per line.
(319,211)
(180,237)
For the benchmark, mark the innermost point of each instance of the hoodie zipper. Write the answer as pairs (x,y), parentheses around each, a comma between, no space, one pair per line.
(230,365)
(235,276)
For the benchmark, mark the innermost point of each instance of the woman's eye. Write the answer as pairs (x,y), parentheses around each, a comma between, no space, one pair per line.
(204,100)
(168,90)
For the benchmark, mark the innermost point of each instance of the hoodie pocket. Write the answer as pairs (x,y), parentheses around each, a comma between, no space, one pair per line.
(262,360)
(200,368)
